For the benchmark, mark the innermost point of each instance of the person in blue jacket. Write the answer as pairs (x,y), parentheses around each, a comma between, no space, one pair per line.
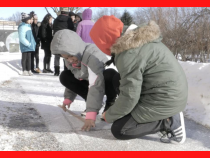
(27,43)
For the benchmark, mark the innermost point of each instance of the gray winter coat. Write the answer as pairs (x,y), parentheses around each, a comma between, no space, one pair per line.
(90,68)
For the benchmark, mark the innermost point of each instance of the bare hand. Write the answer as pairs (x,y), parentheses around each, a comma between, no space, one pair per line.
(88,124)
(64,106)
(103,115)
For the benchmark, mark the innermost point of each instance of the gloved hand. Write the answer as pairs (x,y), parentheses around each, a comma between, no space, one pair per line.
(66,102)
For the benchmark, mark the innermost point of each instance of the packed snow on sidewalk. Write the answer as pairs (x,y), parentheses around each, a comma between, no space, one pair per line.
(198,76)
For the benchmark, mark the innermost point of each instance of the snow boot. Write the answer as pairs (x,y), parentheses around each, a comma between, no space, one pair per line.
(33,71)
(38,70)
(174,129)
(45,71)
(57,71)
(25,73)
(30,73)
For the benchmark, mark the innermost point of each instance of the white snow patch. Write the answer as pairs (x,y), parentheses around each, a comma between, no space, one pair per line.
(198,105)
(1,44)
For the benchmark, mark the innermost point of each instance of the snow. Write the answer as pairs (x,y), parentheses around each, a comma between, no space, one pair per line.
(31,120)
(1,44)
(198,77)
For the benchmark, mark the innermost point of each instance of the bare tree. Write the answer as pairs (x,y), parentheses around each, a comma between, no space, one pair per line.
(16,17)
(106,11)
(57,10)
(185,31)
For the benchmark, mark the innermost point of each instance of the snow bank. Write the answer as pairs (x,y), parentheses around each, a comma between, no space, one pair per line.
(198,106)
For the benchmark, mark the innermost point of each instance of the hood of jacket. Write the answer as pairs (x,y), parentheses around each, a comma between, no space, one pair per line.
(79,15)
(69,43)
(137,37)
(105,32)
(87,14)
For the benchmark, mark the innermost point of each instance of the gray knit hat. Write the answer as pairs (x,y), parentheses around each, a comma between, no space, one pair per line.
(25,17)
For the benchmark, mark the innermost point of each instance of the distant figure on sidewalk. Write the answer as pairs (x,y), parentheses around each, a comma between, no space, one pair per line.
(27,43)
(84,27)
(72,15)
(63,21)
(78,19)
(45,34)
(35,31)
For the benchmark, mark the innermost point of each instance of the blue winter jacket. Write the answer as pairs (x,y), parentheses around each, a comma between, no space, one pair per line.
(26,38)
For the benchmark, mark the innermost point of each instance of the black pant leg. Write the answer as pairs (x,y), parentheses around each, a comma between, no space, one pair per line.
(37,57)
(23,61)
(28,61)
(109,86)
(127,128)
(116,82)
(32,60)
(65,68)
(68,80)
(47,56)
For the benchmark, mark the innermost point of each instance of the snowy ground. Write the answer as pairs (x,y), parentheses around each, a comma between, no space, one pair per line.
(198,106)
(31,120)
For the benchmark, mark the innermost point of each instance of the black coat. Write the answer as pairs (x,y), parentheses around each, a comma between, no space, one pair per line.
(35,31)
(62,22)
(45,34)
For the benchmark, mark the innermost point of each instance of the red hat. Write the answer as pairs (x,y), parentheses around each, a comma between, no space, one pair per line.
(105,32)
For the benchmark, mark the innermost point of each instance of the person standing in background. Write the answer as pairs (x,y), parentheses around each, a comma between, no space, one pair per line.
(45,34)
(84,27)
(35,30)
(63,21)
(78,19)
(72,15)
(27,43)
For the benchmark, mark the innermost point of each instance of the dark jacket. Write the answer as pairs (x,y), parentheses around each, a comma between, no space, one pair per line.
(75,25)
(35,31)
(62,22)
(45,34)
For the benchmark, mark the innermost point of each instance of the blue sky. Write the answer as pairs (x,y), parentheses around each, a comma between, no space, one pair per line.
(41,12)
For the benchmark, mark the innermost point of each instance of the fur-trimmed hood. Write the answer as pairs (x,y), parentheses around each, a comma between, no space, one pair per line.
(137,37)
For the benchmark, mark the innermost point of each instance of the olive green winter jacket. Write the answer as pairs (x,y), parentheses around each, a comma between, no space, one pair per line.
(153,85)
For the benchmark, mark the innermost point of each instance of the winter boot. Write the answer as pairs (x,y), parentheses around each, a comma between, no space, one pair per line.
(45,71)
(174,129)
(38,70)
(30,73)
(25,73)
(57,71)
(33,71)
